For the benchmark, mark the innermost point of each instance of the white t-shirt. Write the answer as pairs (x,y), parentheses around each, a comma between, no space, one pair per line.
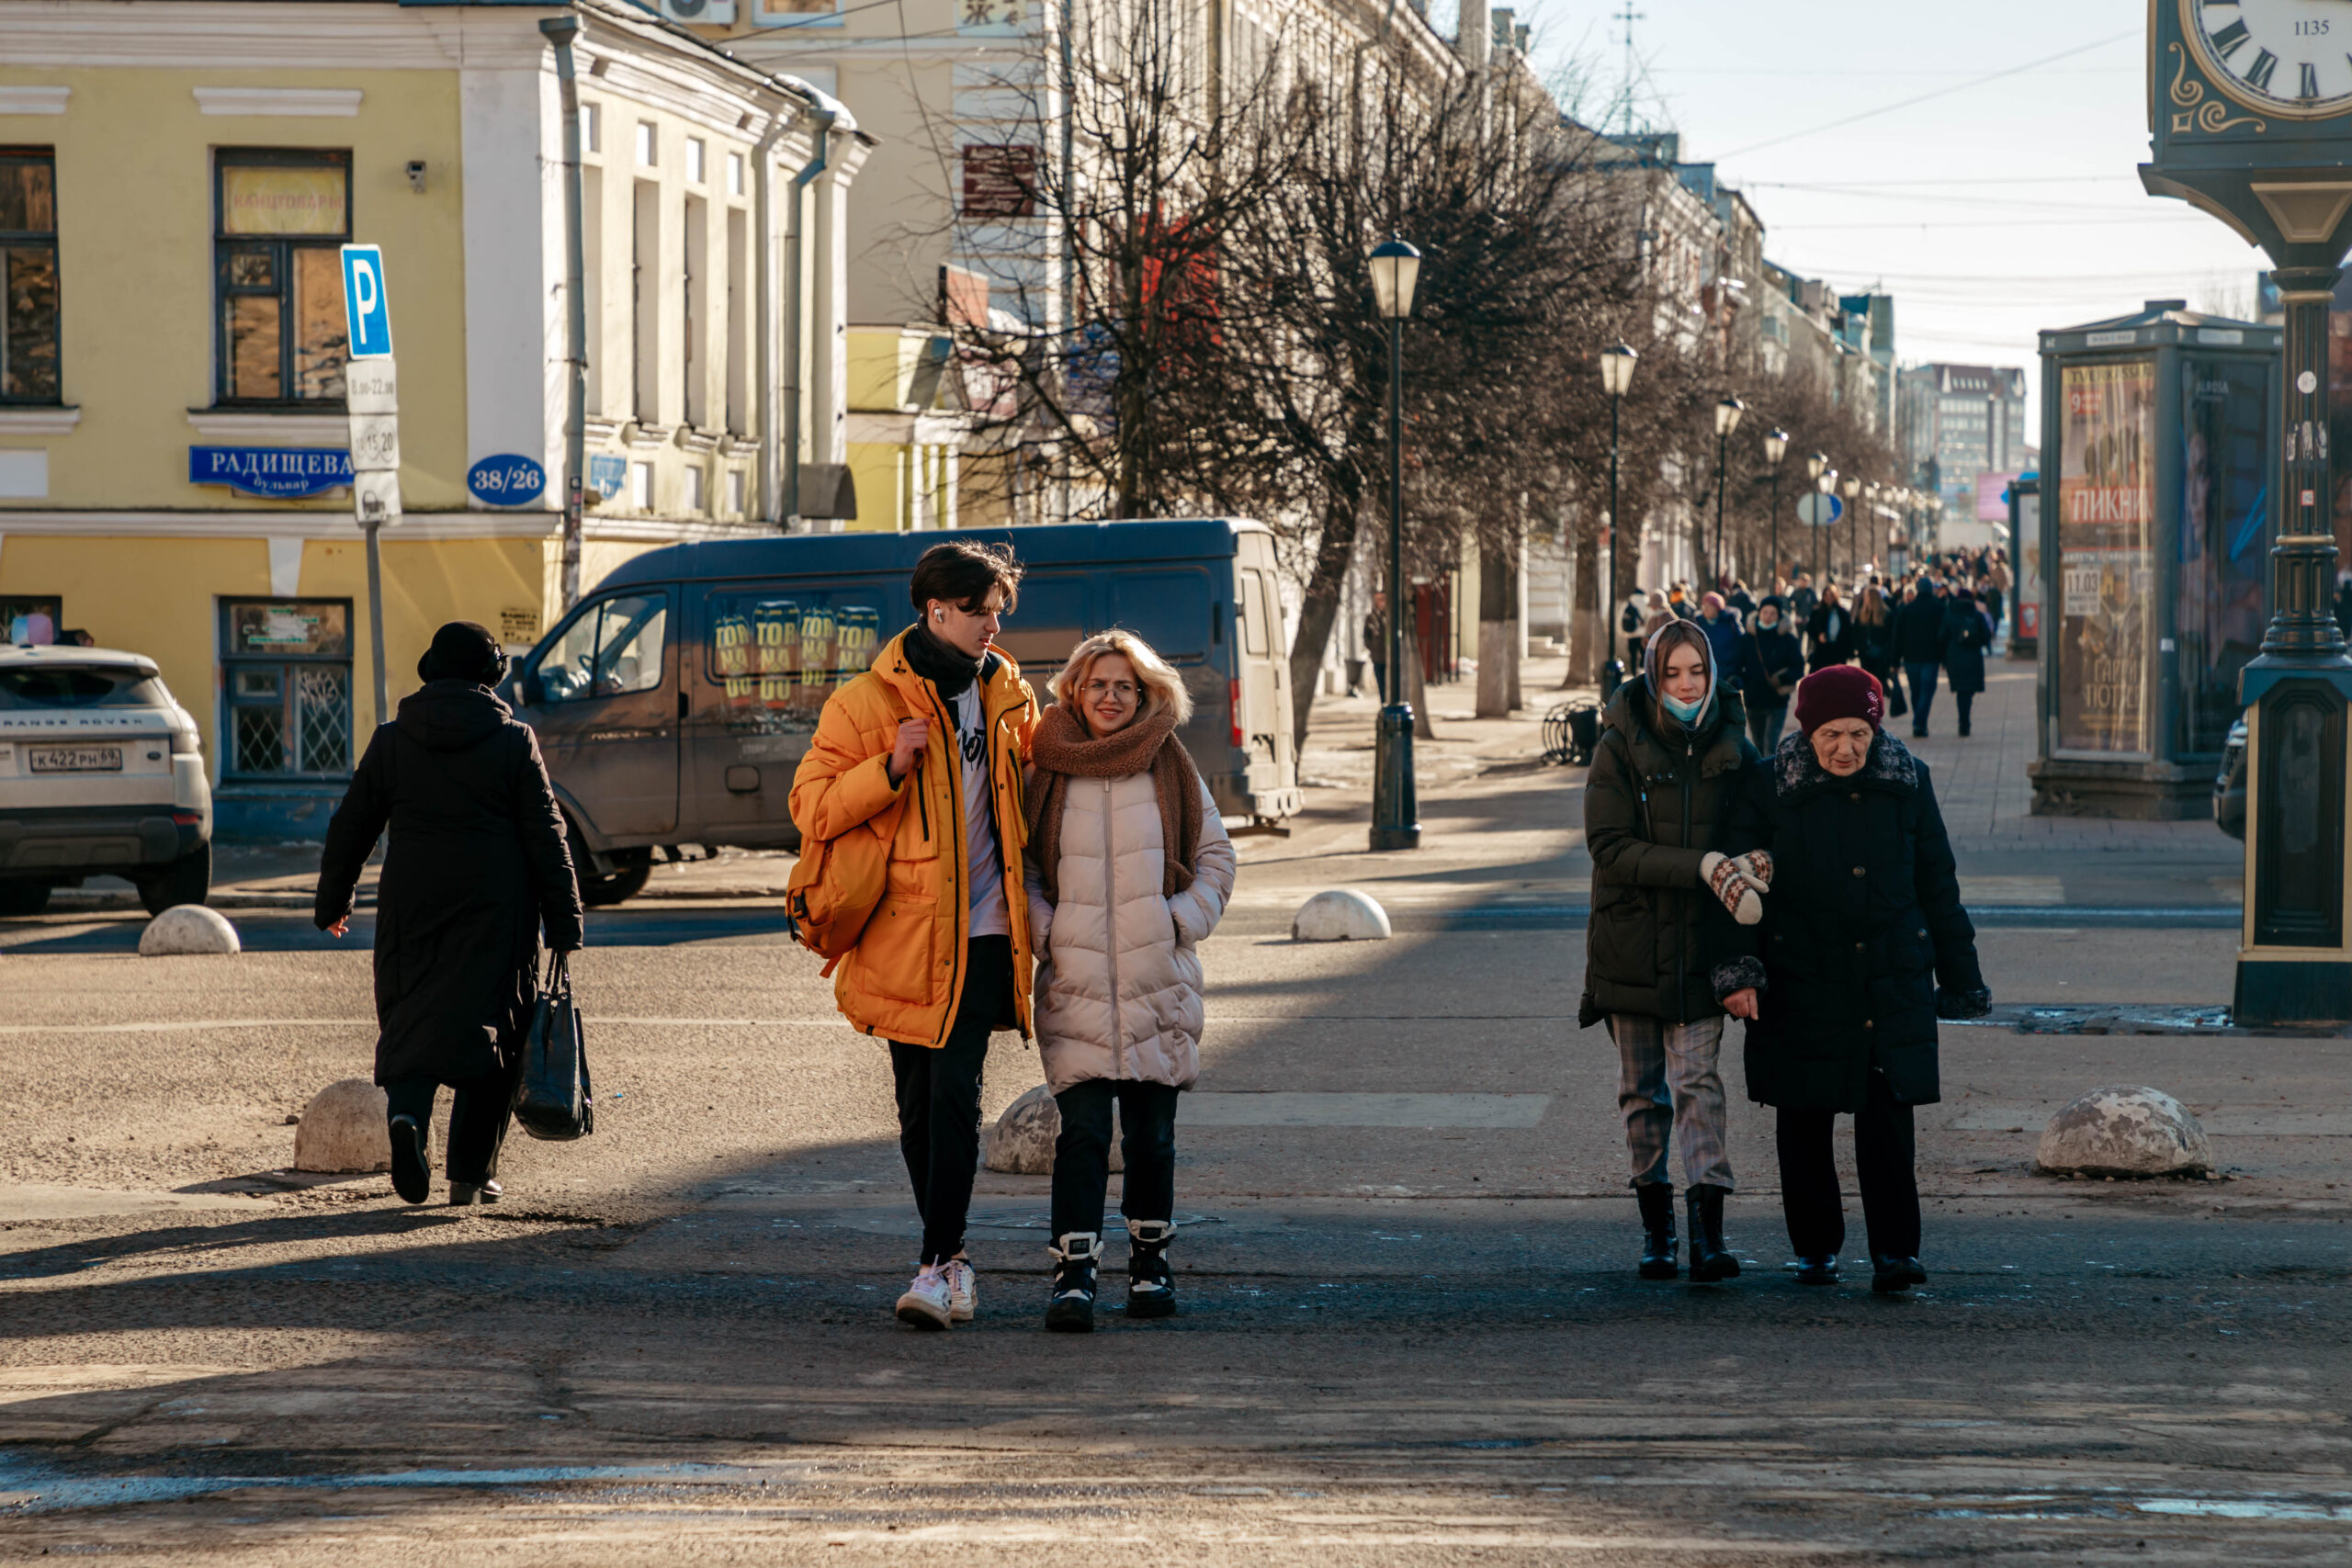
(986,867)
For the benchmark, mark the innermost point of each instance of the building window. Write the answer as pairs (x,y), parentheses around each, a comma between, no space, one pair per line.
(647,145)
(735,490)
(280,220)
(694,489)
(285,684)
(592,128)
(696,155)
(29,368)
(734,174)
(640,486)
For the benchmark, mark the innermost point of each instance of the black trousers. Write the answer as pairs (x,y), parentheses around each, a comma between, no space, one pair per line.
(939,1099)
(1884,1157)
(1380,679)
(1962,701)
(1082,1153)
(479,1113)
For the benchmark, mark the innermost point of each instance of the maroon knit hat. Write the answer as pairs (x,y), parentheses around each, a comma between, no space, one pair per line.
(1841,691)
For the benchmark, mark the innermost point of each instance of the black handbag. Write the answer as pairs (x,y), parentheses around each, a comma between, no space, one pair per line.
(552,1099)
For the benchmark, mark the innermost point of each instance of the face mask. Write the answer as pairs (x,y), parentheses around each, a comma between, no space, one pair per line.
(1687,713)
(1767,621)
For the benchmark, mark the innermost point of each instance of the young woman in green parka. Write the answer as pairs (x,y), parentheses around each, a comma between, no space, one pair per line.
(1668,951)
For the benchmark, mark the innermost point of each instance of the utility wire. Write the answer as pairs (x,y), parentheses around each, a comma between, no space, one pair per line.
(1927,98)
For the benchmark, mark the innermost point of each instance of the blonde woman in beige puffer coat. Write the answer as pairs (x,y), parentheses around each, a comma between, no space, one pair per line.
(1129,869)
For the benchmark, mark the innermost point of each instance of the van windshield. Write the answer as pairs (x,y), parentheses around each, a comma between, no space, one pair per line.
(71,686)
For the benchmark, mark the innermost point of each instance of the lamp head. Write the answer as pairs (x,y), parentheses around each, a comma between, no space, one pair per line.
(1776,447)
(1617,369)
(1816,466)
(1396,268)
(1727,414)
(1826,481)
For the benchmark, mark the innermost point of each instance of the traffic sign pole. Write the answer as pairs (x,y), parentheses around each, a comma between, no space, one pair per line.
(371,393)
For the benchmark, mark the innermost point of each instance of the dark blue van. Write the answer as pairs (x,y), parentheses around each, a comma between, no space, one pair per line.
(674,703)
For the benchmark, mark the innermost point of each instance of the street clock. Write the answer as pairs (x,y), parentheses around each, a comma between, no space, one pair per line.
(2290,57)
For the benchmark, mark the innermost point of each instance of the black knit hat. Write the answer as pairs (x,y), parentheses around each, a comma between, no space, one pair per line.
(463,650)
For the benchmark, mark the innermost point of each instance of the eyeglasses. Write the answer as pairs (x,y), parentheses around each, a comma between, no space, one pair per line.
(1096,691)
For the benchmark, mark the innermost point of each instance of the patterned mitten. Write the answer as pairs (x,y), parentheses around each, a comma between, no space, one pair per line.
(1757,866)
(1729,881)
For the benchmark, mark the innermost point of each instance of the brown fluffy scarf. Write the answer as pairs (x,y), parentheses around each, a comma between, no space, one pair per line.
(1064,751)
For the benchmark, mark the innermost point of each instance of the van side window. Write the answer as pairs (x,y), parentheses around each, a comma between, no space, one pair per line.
(1253,611)
(1168,609)
(779,651)
(614,647)
(1048,621)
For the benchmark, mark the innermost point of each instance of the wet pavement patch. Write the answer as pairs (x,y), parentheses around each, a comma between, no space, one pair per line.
(30,1487)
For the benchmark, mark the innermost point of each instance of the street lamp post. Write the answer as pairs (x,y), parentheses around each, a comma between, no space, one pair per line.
(1616,378)
(1815,466)
(1852,485)
(1395,816)
(1727,414)
(1776,449)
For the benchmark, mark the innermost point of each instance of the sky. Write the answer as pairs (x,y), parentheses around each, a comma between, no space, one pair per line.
(1991,211)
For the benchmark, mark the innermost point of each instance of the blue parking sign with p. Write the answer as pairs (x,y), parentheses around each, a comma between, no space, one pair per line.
(364,308)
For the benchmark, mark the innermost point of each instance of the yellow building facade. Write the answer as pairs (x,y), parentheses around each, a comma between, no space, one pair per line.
(176,180)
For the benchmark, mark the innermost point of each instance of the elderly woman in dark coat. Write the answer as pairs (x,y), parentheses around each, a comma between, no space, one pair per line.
(477,867)
(1865,946)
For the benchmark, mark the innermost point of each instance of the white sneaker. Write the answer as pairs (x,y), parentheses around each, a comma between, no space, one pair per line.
(927,1304)
(963,1288)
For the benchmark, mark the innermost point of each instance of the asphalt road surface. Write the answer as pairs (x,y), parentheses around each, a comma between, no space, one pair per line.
(1411,1332)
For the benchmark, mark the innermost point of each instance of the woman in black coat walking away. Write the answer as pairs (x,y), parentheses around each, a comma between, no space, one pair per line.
(476,868)
(1966,636)
(1829,631)
(1865,946)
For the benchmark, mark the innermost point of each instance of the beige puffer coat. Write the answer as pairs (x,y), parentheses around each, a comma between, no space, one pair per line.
(1114,932)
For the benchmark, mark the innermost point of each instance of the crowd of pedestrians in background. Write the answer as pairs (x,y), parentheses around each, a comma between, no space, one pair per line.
(1915,632)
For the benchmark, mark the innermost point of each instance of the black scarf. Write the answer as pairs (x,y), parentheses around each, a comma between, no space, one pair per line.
(943,666)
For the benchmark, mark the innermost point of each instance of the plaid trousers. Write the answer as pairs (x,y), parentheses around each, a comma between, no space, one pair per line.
(1668,1089)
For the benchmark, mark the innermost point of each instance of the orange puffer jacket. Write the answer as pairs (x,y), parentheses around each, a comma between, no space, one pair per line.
(901,980)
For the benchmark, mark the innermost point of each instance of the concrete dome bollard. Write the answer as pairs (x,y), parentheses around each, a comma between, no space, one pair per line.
(1022,1142)
(1341,914)
(343,1128)
(188,927)
(2124,1130)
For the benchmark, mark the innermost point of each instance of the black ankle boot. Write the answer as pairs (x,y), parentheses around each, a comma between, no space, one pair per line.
(1151,1284)
(1892,1276)
(1071,1308)
(1656,1198)
(1709,1259)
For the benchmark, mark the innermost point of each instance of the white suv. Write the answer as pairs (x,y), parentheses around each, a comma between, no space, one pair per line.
(100,775)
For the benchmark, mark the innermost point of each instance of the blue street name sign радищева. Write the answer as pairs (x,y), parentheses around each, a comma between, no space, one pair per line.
(278,472)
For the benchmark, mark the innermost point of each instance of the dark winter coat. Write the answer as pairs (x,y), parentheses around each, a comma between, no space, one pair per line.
(1772,662)
(1919,630)
(1966,636)
(476,867)
(1874,644)
(1862,926)
(1657,799)
(1724,636)
(1802,600)
(1826,649)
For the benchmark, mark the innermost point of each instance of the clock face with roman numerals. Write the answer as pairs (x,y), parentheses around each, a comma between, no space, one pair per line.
(2286,57)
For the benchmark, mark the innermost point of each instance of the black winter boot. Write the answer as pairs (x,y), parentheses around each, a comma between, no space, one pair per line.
(1071,1308)
(411,1172)
(1709,1259)
(1656,1198)
(1151,1284)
